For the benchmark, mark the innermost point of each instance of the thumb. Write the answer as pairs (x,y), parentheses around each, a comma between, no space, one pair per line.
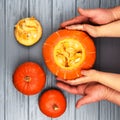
(84,100)
(91,30)
(86,12)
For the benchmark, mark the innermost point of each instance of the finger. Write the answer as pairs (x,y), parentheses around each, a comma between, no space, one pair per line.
(88,76)
(60,79)
(75,27)
(78,81)
(83,72)
(88,72)
(91,30)
(76,20)
(85,100)
(86,12)
(67,88)
(72,89)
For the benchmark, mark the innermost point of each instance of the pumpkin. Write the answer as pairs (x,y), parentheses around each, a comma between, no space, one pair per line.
(52,103)
(28,31)
(29,78)
(67,52)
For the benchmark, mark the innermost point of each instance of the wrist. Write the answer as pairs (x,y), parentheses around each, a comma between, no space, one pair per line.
(112,96)
(116,13)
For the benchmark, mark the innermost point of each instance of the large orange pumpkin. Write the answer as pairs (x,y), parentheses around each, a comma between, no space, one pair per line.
(67,52)
(29,78)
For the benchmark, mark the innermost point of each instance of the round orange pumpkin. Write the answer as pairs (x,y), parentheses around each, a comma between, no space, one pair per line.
(67,52)
(52,103)
(29,78)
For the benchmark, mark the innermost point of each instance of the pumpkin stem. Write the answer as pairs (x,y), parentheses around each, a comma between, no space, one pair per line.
(55,107)
(27,78)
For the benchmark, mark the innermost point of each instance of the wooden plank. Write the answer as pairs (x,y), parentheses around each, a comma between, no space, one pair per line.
(16,104)
(64,10)
(2,59)
(41,9)
(109,111)
(109,61)
(86,111)
(87,4)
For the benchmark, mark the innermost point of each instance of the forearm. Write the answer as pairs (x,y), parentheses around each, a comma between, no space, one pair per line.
(109,79)
(109,30)
(113,96)
(116,12)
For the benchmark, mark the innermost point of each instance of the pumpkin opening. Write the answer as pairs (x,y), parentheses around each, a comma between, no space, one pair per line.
(69,53)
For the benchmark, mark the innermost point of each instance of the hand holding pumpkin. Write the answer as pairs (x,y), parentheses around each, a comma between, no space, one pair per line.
(108,19)
(91,92)
(111,80)
(97,16)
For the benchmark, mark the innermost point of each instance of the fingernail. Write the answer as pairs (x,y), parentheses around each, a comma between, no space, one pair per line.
(57,78)
(83,72)
(67,27)
(77,106)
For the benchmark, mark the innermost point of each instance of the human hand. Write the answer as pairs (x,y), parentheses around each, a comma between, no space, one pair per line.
(111,80)
(87,76)
(91,92)
(96,16)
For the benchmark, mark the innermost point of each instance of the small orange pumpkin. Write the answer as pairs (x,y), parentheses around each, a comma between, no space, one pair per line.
(67,52)
(29,78)
(52,103)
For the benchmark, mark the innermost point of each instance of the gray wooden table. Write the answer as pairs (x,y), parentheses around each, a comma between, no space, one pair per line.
(16,106)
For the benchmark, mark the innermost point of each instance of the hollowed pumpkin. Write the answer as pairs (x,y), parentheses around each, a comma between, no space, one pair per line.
(28,31)
(67,52)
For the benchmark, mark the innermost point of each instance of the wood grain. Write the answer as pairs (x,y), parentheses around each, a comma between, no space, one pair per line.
(110,62)
(2,61)
(16,104)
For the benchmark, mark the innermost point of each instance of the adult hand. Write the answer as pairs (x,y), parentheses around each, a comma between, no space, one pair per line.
(111,80)
(91,92)
(97,16)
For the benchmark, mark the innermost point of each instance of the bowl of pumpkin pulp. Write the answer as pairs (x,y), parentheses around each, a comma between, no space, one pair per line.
(28,31)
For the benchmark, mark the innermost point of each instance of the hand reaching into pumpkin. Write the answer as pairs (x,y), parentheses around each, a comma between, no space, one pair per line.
(92,92)
(104,17)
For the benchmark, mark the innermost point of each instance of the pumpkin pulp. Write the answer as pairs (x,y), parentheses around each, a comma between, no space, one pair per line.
(28,31)
(69,53)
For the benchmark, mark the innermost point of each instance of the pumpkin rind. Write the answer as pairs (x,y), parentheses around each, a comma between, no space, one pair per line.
(53,40)
(29,78)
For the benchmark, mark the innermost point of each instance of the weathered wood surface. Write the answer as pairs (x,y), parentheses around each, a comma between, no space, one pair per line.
(16,106)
